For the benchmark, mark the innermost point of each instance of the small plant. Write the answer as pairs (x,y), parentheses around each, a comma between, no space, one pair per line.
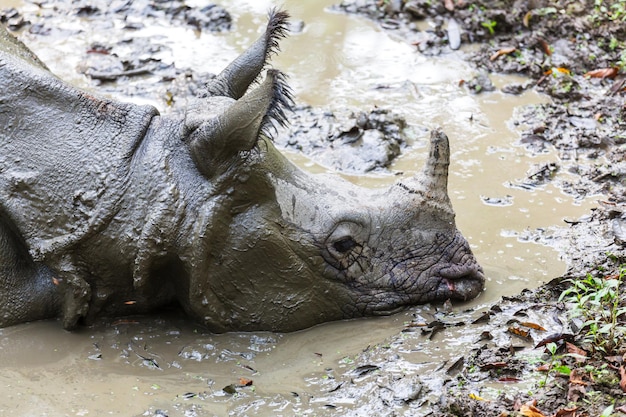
(555,364)
(612,10)
(490,25)
(598,301)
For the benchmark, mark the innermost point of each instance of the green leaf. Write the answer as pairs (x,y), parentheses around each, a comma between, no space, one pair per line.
(562,369)
(551,348)
(607,328)
(608,411)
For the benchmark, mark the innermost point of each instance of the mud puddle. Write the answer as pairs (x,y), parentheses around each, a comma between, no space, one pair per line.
(166,366)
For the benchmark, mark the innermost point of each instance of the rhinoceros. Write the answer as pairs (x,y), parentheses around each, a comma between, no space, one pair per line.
(110,208)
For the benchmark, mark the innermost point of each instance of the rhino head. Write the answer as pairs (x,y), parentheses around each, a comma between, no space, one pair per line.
(274,248)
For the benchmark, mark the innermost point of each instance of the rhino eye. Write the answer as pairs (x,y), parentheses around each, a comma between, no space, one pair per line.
(345,244)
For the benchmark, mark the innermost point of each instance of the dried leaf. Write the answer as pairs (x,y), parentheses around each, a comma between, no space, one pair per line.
(365,369)
(525,334)
(576,377)
(575,392)
(55,281)
(622,382)
(579,354)
(566,412)
(508,379)
(456,366)
(130,302)
(544,368)
(545,46)
(484,318)
(503,51)
(477,398)
(602,73)
(493,365)
(526,20)
(532,326)
(230,389)
(449,5)
(529,410)
(553,338)
(245,382)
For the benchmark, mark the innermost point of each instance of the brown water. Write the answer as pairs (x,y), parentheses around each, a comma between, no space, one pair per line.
(165,363)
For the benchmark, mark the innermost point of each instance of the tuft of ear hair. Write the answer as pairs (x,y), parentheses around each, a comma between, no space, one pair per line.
(280,102)
(277,29)
(237,77)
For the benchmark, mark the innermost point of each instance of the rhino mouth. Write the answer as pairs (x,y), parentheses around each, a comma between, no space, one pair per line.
(461,283)
(454,282)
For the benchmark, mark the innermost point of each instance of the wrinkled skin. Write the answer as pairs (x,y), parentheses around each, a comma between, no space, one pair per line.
(109,208)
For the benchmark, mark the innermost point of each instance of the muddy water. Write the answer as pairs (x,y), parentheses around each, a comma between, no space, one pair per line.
(164,363)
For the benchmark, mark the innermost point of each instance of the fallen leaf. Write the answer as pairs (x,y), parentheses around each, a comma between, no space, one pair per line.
(449,5)
(55,281)
(566,412)
(245,382)
(526,20)
(579,354)
(130,303)
(456,366)
(230,389)
(544,368)
(576,377)
(529,410)
(503,51)
(545,46)
(553,338)
(602,73)
(484,318)
(508,379)
(477,398)
(525,334)
(532,326)
(622,382)
(492,365)
(365,369)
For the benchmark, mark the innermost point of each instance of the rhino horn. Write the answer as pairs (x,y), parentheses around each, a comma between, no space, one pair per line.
(235,79)
(214,142)
(432,184)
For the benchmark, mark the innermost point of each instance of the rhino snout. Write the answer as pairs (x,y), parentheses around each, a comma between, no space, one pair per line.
(462,282)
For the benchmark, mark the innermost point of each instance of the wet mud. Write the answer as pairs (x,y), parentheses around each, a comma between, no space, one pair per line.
(565,141)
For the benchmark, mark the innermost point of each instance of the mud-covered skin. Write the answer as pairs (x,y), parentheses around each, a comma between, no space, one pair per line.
(109,208)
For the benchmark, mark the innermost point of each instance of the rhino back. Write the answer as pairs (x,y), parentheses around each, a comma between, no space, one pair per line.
(64,154)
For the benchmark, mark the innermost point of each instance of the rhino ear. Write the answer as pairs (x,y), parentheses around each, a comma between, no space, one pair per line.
(235,79)
(215,142)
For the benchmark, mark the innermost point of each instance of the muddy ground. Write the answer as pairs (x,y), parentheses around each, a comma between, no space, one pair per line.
(574,53)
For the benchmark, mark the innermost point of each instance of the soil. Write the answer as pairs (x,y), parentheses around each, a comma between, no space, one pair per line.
(575,54)
(572,53)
